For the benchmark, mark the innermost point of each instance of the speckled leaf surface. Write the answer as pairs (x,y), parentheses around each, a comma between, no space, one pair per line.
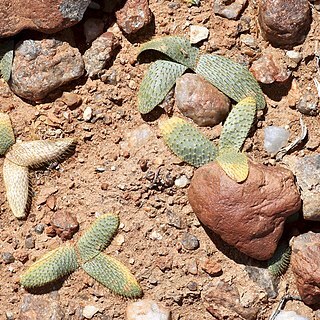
(157,82)
(6,133)
(178,49)
(234,164)
(187,142)
(238,124)
(6,58)
(230,77)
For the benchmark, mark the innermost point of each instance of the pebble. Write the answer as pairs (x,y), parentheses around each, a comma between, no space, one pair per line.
(64,224)
(275,138)
(190,241)
(72,100)
(134,15)
(41,66)
(9,315)
(39,228)
(284,22)
(89,311)
(155,235)
(198,33)
(29,242)
(92,28)
(7,257)
(229,9)
(147,309)
(308,104)
(211,267)
(182,182)
(173,219)
(296,56)
(101,51)
(192,286)
(87,114)
(197,99)
(289,315)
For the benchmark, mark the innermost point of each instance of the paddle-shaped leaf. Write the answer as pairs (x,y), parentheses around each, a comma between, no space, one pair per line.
(6,58)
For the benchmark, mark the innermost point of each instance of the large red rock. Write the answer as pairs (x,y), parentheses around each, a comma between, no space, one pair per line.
(305,262)
(47,16)
(249,215)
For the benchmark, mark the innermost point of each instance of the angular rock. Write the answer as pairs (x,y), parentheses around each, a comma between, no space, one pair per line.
(64,224)
(44,16)
(268,70)
(198,33)
(40,66)
(100,52)
(134,15)
(284,22)
(305,261)
(250,215)
(307,172)
(229,9)
(201,101)
(146,309)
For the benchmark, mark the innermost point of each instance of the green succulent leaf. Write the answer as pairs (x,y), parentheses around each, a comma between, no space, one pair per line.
(6,58)
(187,142)
(176,48)
(52,266)
(113,274)
(237,125)
(279,262)
(234,164)
(6,133)
(157,82)
(230,77)
(97,237)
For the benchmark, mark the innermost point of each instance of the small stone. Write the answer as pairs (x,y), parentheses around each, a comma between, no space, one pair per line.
(189,241)
(199,100)
(245,216)
(146,309)
(134,15)
(72,100)
(182,182)
(155,235)
(7,257)
(9,315)
(192,267)
(164,263)
(296,56)
(29,243)
(51,202)
(39,228)
(92,29)
(284,22)
(229,9)
(268,69)
(50,231)
(173,219)
(139,136)
(104,186)
(305,261)
(87,114)
(101,51)
(64,224)
(198,33)
(89,311)
(275,138)
(119,239)
(308,104)
(211,267)
(192,286)
(41,66)
(289,315)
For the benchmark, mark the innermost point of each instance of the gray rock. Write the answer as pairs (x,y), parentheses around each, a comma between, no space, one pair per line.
(229,9)
(40,66)
(199,100)
(7,257)
(100,52)
(147,309)
(29,242)
(307,172)
(198,33)
(189,241)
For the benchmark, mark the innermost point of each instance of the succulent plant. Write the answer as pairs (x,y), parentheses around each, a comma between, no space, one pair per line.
(230,77)
(21,156)
(280,261)
(6,58)
(86,254)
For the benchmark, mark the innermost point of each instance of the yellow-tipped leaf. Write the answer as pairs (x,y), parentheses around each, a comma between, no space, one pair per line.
(6,133)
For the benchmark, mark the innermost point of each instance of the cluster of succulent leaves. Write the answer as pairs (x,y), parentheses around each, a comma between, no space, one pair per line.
(280,261)
(6,58)
(20,157)
(229,77)
(86,254)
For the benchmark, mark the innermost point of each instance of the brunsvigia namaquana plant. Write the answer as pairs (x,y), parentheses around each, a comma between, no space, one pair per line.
(229,77)
(87,254)
(22,156)
(6,58)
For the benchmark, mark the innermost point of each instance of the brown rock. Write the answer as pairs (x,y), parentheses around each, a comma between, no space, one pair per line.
(133,16)
(213,268)
(229,9)
(64,224)
(39,67)
(199,100)
(45,16)
(72,100)
(100,52)
(305,261)
(284,22)
(249,215)
(268,70)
